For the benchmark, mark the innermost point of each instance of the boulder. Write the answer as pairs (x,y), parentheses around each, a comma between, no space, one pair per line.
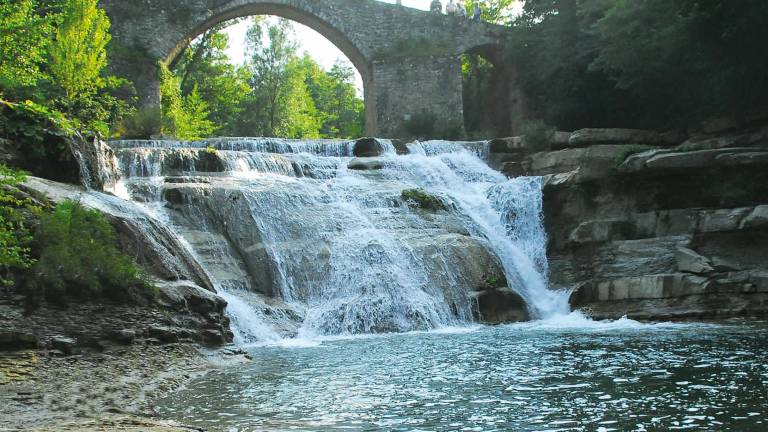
(365,164)
(722,220)
(64,344)
(757,218)
(367,147)
(691,262)
(601,231)
(588,137)
(507,145)
(186,295)
(124,336)
(501,305)
(513,169)
(166,334)
(754,138)
(589,163)
(681,161)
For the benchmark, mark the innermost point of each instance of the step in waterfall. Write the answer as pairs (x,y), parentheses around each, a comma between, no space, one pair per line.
(304,239)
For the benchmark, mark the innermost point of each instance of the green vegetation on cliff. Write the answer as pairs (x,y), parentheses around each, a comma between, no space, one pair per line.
(53,80)
(78,257)
(14,231)
(642,64)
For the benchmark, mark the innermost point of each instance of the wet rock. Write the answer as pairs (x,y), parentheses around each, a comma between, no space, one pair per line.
(754,138)
(186,295)
(165,334)
(587,137)
(758,218)
(66,345)
(674,161)
(212,337)
(507,145)
(124,336)
(587,163)
(367,164)
(601,231)
(17,339)
(367,147)
(501,305)
(691,262)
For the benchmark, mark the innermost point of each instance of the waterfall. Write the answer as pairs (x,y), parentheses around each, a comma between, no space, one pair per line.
(300,244)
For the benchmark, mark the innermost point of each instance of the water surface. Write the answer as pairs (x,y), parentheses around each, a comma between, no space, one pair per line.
(558,375)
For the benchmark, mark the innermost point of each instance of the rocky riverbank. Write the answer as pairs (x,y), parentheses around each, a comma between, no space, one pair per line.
(654,226)
(108,389)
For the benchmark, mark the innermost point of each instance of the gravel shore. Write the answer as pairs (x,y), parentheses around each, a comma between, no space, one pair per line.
(105,391)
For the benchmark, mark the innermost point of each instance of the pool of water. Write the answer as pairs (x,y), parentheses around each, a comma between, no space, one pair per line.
(562,375)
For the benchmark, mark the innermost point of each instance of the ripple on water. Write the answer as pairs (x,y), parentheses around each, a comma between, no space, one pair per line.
(619,375)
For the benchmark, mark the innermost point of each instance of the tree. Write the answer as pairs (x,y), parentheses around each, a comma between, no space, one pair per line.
(686,60)
(494,11)
(79,53)
(24,39)
(183,117)
(222,85)
(268,64)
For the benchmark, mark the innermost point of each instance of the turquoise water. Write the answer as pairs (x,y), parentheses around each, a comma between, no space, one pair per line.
(563,375)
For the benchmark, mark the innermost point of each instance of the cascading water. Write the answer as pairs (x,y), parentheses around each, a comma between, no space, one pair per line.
(299,244)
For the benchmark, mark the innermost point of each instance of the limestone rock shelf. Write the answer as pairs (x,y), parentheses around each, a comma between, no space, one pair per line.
(654,226)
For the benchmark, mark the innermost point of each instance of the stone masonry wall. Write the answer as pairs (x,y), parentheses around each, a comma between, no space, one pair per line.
(410,86)
(375,36)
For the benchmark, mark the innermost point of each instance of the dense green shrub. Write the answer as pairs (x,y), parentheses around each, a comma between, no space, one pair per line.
(640,64)
(14,233)
(418,198)
(79,258)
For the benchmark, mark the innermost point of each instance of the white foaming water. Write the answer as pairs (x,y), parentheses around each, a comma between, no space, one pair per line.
(343,259)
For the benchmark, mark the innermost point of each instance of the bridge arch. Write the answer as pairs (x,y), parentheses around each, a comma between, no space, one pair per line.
(375,36)
(290,11)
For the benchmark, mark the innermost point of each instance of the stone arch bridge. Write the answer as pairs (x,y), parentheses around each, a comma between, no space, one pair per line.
(409,59)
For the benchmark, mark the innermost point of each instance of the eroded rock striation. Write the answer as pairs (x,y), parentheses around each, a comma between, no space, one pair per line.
(666,230)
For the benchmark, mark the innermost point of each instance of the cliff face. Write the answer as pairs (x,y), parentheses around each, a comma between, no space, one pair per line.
(677,231)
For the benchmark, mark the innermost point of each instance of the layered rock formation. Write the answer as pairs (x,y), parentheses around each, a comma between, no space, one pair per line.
(667,230)
(185,308)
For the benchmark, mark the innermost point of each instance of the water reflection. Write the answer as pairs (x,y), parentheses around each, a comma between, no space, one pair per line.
(516,377)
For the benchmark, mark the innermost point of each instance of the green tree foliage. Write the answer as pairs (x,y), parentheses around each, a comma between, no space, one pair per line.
(493,11)
(222,85)
(79,52)
(79,258)
(53,54)
(14,233)
(277,92)
(24,38)
(183,117)
(644,63)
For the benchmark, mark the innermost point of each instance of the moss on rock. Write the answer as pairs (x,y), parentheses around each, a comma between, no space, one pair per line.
(418,198)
